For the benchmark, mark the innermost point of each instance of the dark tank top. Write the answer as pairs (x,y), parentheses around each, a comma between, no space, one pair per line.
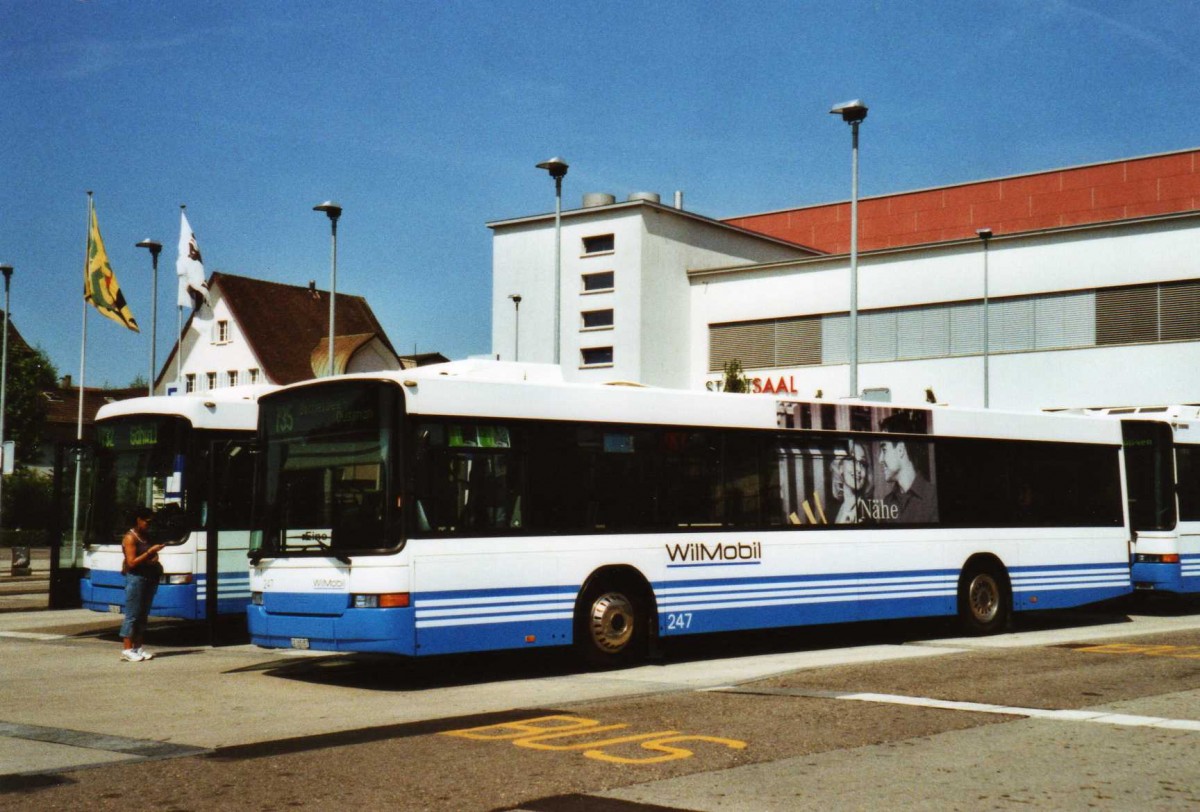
(148,569)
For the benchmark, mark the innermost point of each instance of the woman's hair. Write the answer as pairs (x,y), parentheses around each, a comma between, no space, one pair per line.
(141,513)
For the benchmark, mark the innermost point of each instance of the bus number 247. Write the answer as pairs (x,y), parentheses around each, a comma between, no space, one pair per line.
(677,621)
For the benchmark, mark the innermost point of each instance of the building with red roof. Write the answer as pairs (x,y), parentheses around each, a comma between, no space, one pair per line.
(1086,292)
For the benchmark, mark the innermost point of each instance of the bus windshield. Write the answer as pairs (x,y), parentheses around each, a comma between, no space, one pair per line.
(141,462)
(326,478)
(1151,476)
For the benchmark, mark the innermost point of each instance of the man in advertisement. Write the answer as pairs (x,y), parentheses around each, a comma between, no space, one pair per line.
(912,499)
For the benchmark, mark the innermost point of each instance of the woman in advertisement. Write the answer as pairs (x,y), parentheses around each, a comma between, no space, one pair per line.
(851,483)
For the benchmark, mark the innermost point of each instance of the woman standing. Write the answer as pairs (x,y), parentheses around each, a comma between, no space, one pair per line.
(142,571)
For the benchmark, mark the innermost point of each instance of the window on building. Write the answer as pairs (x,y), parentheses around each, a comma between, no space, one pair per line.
(599,244)
(221,332)
(597,356)
(598,282)
(210,380)
(254,375)
(189,382)
(597,319)
(232,376)
(1168,311)
(1179,306)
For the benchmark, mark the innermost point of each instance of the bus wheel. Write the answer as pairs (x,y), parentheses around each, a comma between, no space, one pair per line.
(610,626)
(984,604)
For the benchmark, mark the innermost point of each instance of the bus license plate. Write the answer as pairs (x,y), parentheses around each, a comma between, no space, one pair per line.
(299,642)
(114,609)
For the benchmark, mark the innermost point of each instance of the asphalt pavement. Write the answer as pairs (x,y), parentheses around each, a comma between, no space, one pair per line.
(68,702)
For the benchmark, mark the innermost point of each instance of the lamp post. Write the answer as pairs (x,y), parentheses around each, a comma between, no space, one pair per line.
(154,248)
(557,168)
(516,300)
(985,234)
(853,113)
(334,211)
(7,271)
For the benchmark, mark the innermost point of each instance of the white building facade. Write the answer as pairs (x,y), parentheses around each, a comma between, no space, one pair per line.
(1092,294)
(624,303)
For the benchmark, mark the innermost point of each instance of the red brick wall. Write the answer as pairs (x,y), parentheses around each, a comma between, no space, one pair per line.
(1137,187)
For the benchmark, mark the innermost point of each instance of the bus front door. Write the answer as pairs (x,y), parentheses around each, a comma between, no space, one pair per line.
(72,502)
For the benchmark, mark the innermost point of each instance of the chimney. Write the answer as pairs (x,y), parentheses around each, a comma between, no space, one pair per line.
(312,289)
(65,383)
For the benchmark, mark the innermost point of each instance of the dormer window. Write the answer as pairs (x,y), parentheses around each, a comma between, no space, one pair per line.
(221,332)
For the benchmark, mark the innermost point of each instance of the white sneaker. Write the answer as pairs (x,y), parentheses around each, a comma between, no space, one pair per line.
(132,655)
(145,654)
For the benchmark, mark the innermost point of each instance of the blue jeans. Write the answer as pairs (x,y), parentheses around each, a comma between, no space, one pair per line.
(139,594)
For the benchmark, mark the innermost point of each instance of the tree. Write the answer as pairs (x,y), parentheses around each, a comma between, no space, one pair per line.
(29,374)
(735,378)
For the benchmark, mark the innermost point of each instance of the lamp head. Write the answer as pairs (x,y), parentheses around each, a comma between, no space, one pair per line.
(332,209)
(7,271)
(150,245)
(985,234)
(557,167)
(516,297)
(851,112)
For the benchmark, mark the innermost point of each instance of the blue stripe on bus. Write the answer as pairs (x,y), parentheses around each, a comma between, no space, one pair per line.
(488,619)
(103,589)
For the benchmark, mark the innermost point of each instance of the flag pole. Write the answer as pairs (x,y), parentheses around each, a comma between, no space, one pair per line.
(82,367)
(179,324)
(83,345)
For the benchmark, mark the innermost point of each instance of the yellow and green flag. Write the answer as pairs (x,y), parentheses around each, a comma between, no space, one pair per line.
(100,286)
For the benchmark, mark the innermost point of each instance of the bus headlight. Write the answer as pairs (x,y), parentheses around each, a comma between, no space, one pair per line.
(175,579)
(387,600)
(1153,558)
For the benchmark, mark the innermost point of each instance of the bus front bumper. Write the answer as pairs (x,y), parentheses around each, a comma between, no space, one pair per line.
(389,631)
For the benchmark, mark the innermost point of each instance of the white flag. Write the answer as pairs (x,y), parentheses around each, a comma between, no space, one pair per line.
(189,267)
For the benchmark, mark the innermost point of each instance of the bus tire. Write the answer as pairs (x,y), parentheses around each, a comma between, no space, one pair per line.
(984,598)
(611,624)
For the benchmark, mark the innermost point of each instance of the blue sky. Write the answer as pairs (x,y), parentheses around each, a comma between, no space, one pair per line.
(424,121)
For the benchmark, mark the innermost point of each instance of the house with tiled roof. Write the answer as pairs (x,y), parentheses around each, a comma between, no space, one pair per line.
(251,331)
(63,415)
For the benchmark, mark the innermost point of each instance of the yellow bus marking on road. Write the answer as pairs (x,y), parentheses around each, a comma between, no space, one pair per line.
(538,732)
(1182,652)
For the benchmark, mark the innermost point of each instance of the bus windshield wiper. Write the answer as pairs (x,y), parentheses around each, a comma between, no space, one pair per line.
(321,539)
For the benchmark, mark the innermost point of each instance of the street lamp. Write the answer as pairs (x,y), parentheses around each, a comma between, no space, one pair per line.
(334,211)
(985,234)
(516,300)
(853,113)
(154,248)
(7,271)
(557,168)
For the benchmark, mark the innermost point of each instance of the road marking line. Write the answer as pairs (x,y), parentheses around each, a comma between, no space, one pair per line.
(32,636)
(1097,717)
(145,748)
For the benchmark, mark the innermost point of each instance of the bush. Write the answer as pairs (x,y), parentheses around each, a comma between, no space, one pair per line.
(27,498)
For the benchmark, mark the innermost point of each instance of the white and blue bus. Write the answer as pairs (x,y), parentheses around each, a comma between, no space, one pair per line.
(482,505)
(187,457)
(1162,450)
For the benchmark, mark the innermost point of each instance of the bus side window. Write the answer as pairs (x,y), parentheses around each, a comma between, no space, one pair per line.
(1187,462)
